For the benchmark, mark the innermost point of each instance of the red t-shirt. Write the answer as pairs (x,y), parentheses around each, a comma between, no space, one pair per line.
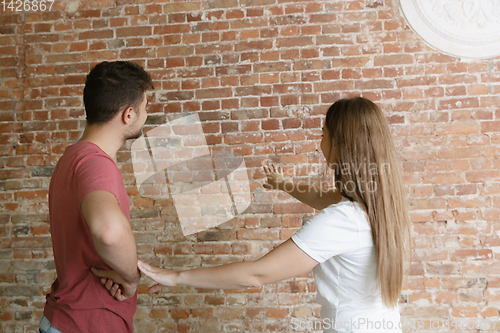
(78,302)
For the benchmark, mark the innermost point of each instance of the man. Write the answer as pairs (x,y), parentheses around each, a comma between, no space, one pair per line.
(90,212)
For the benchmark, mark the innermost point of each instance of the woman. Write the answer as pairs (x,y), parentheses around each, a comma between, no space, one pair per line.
(356,244)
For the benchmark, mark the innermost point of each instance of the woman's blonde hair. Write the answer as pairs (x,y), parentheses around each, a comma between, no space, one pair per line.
(367,168)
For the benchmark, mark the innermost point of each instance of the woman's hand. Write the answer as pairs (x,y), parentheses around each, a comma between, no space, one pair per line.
(163,277)
(275,177)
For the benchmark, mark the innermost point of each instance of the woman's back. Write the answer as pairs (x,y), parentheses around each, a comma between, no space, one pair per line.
(340,239)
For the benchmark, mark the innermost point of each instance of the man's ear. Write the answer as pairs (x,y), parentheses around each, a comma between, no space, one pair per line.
(128,115)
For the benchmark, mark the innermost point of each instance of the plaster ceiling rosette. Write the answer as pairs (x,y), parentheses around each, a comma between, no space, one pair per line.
(462,28)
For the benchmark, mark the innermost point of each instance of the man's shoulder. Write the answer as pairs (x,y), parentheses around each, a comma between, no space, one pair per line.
(83,157)
(84,150)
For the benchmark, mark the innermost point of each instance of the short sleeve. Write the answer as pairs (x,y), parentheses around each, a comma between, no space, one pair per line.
(333,231)
(96,173)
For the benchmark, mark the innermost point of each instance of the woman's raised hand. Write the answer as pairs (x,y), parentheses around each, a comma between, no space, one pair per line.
(275,177)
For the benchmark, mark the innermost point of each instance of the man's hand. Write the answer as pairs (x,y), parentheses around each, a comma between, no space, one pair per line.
(115,284)
(163,277)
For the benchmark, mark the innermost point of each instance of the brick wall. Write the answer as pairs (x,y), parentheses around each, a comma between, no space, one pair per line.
(260,74)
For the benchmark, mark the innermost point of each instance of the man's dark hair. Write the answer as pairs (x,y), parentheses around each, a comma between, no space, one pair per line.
(113,86)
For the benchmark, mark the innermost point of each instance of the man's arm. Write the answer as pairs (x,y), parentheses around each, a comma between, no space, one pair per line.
(113,239)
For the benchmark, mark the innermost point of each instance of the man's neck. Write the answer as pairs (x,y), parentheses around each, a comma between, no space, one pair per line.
(105,137)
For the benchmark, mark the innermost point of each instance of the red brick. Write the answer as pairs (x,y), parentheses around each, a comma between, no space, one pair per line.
(232,139)
(203,313)
(272,67)
(374,84)
(97,34)
(213,93)
(277,313)
(270,124)
(460,103)
(460,255)
(253,45)
(29,242)
(389,60)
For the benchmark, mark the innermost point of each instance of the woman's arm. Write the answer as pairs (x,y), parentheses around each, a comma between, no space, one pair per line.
(285,261)
(312,196)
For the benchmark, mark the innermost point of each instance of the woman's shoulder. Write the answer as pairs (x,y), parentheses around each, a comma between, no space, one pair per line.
(351,209)
(345,203)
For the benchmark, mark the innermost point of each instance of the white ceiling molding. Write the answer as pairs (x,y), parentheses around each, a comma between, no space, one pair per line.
(463,28)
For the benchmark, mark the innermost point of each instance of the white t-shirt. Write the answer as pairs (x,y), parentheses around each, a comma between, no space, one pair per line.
(339,238)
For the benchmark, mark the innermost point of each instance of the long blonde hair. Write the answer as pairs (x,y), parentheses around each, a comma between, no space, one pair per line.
(367,168)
